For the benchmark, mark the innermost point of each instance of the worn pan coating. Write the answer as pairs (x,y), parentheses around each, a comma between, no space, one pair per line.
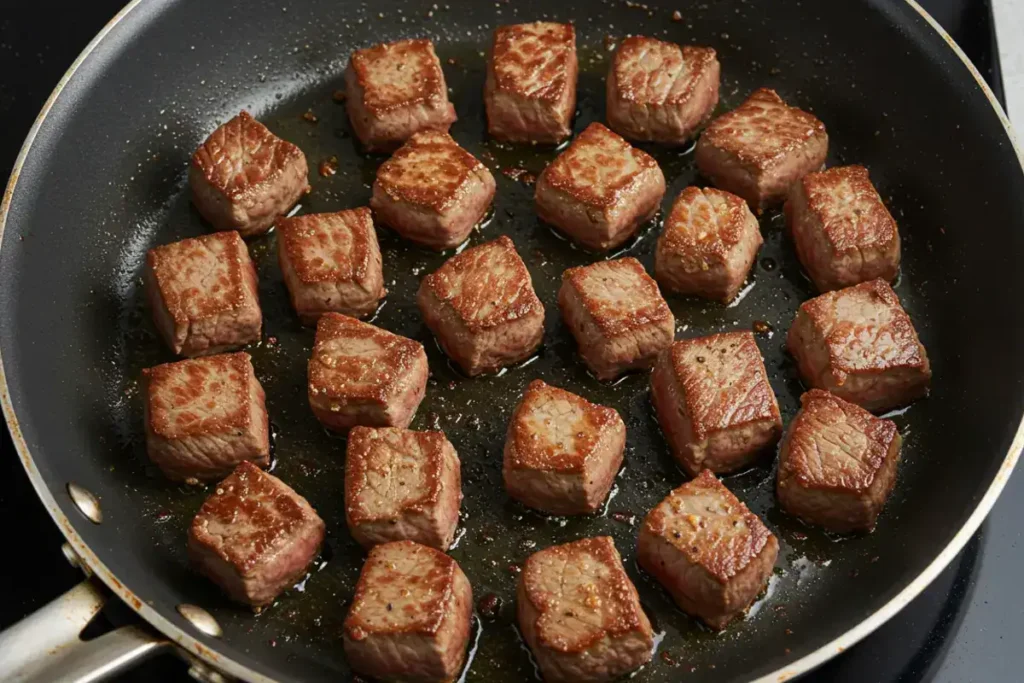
(102,178)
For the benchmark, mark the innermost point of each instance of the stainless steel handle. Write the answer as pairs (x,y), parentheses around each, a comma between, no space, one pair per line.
(46,646)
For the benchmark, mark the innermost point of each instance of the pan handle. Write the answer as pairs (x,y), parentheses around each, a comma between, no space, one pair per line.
(47,645)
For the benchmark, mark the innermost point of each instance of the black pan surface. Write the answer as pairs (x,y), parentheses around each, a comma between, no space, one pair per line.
(105,180)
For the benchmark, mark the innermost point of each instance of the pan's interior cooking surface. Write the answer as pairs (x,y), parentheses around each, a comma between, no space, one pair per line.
(290,63)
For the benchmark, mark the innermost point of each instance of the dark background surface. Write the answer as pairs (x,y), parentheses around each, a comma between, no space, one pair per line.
(963,628)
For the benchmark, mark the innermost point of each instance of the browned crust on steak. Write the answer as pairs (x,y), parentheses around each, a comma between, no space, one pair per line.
(614,316)
(534,60)
(635,85)
(377,69)
(297,235)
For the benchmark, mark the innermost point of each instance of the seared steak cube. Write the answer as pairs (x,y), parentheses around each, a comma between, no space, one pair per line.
(600,190)
(254,537)
(204,416)
(394,90)
(360,374)
(562,452)
(401,485)
(244,176)
(203,293)
(859,344)
(410,617)
(708,244)
(331,262)
(837,464)
(530,91)
(432,191)
(481,306)
(843,233)
(580,614)
(714,403)
(618,316)
(761,148)
(659,91)
(712,554)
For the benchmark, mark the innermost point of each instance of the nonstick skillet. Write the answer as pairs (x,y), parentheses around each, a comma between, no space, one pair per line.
(101,179)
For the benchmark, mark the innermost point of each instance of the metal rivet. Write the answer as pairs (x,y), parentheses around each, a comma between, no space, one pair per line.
(86,502)
(201,619)
(74,559)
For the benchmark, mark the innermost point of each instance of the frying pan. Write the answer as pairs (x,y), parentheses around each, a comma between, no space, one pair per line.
(101,178)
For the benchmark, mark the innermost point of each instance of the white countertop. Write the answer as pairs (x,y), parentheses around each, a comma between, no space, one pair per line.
(1009,16)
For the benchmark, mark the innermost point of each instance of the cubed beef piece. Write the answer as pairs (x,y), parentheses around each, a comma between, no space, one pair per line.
(562,452)
(600,190)
(843,233)
(708,244)
(360,374)
(411,615)
(617,314)
(204,416)
(761,148)
(401,485)
(244,176)
(331,262)
(859,344)
(659,91)
(203,293)
(714,403)
(837,464)
(712,554)
(530,91)
(254,537)
(394,90)
(432,191)
(482,309)
(580,614)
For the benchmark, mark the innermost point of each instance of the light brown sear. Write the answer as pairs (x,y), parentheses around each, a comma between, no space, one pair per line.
(708,244)
(562,452)
(243,176)
(580,614)
(843,233)
(432,191)
(859,344)
(617,315)
(360,374)
(530,91)
(331,262)
(714,403)
(837,464)
(401,485)
(203,294)
(410,616)
(708,550)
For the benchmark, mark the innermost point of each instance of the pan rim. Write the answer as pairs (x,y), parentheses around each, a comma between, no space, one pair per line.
(209,653)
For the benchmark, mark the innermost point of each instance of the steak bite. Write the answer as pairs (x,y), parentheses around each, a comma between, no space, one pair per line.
(432,191)
(481,307)
(659,91)
(708,244)
(618,316)
(254,536)
(394,90)
(837,464)
(562,452)
(410,617)
(204,416)
(360,374)
(203,293)
(580,614)
(761,148)
(331,262)
(859,344)
(843,233)
(401,485)
(712,554)
(244,176)
(600,190)
(714,403)
(530,91)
